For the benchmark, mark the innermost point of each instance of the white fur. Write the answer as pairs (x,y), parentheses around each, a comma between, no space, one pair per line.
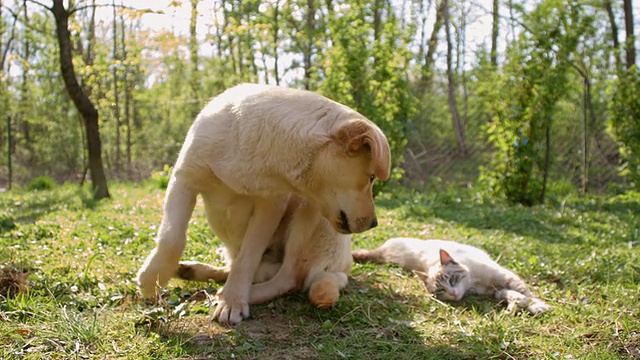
(486,276)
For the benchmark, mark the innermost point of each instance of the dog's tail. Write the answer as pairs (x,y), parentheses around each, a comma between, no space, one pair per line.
(372,256)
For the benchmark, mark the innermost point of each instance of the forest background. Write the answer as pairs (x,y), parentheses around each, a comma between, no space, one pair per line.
(518,98)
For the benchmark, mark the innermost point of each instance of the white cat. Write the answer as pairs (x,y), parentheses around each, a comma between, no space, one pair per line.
(450,270)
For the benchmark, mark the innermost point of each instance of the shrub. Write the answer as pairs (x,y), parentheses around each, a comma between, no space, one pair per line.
(6,222)
(161,178)
(41,183)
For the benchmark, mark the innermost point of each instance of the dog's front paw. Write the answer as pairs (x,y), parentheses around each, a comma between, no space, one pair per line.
(231,311)
(155,273)
(147,283)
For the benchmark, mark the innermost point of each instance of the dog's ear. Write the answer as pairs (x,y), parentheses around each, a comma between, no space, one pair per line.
(359,133)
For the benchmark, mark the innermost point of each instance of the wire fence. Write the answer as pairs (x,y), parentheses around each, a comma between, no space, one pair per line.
(430,157)
(595,170)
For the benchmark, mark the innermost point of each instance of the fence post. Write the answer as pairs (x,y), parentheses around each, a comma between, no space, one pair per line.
(9,147)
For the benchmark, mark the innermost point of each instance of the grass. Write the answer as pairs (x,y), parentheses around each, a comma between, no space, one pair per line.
(580,254)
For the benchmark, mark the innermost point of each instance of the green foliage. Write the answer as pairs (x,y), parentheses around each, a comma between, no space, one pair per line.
(624,123)
(42,182)
(161,178)
(371,77)
(6,222)
(523,100)
(366,54)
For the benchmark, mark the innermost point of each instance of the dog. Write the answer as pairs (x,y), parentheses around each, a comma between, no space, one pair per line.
(250,153)
(306,253)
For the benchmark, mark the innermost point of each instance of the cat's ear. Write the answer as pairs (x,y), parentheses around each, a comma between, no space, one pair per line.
(446,259)
(423,276)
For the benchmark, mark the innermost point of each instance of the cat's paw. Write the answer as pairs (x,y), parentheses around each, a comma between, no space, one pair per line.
(536,306)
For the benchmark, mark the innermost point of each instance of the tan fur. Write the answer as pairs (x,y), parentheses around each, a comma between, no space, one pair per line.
(248,152)
(316,258)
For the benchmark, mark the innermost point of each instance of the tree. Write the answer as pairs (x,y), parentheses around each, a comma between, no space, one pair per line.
(367,70)
(455,115)
(523,100)
(630,38)
(80,99)
(194,59)
(427,66)
(495,31)
(625,101)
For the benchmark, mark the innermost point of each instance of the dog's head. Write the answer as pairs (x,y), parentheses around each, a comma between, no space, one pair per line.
(344,172)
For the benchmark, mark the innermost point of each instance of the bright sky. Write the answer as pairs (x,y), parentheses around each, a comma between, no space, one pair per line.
(177,20)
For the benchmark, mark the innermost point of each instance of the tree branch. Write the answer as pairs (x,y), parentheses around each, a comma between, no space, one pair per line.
(41,4)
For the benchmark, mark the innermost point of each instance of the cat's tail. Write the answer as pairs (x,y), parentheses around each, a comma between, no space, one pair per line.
(373,256)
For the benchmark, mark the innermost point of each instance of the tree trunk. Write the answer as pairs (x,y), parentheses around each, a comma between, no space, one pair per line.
(84,105)
(614,34)
(462,56)
(5,47)
(127,94)
(630,38)
(377,29)
(427,67)
(547,162)
(237,11)
(194,75)
(116,95)
(495,30)
(23,119)
(308,52)
(219,33)
(459,129)
(276,29)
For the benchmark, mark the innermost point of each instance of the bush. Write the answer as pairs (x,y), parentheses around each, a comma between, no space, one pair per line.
(161,178)
(6,222)
(41,183)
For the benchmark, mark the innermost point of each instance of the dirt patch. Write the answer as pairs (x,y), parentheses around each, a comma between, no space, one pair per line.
(13,280)
(632,350)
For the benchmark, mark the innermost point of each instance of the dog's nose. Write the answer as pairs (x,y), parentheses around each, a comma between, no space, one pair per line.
(374,223)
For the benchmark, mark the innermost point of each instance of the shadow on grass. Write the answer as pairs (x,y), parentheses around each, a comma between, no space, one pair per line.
(369,321)
(547,224)
(28,207)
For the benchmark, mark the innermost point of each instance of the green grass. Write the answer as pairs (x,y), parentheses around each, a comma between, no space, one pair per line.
(579,254)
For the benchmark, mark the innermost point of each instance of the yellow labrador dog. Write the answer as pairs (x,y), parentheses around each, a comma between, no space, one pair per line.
(258,155)
(305,253)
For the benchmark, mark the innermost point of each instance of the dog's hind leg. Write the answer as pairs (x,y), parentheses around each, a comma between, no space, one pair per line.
(162,263)
(325,287)
(283,282)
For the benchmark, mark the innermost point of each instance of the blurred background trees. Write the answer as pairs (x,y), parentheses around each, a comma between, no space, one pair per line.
(522,99)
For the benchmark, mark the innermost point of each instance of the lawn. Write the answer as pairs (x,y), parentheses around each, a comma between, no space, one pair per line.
(72,262)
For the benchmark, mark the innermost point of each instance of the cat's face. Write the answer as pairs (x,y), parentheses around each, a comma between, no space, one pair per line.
(449,281)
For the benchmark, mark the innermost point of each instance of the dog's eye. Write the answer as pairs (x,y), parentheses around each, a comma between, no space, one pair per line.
(371,178)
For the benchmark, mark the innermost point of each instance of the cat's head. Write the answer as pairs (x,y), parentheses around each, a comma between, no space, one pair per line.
(449,281)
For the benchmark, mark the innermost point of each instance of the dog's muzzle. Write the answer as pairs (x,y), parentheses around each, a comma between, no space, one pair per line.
(345,228)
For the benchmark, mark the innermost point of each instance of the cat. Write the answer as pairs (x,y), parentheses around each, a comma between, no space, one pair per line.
(451,270)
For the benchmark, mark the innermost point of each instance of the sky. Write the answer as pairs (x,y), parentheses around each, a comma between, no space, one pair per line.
(176,19)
